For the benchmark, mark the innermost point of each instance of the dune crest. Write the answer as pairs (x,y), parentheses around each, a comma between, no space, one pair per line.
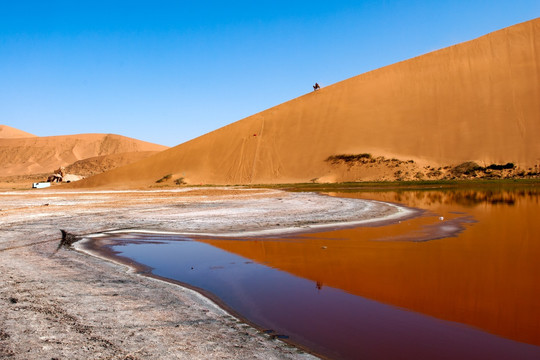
(98,164)
(8,132)
(36,155)
(476,101)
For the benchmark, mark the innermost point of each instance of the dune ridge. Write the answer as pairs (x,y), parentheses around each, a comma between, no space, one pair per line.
(36,155)
(98,164)
(475,101)
(8,132)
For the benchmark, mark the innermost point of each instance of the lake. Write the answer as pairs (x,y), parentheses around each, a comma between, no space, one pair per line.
(460,281)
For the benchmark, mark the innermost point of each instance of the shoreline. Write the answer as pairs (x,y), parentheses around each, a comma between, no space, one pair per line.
(209,298)
(402,213)
(74,299)
(90,247)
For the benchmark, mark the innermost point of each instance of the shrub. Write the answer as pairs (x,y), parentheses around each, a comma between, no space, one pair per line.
(434,173)
(180,181)
(501,167)
(165,178)
(466,168)
(348,158)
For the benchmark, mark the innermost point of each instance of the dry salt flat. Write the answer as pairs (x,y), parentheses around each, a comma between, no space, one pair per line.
(67,304)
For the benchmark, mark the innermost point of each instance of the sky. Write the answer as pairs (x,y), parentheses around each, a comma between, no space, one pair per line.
(169,71)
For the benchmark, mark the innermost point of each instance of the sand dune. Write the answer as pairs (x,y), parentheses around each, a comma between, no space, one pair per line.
(98,164)
(476,101)
(35,155)
(7,132)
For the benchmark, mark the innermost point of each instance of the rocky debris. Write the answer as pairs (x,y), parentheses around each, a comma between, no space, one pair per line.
(68,240)
(60,175)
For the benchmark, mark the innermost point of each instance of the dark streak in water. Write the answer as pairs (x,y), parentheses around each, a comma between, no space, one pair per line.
(436,231)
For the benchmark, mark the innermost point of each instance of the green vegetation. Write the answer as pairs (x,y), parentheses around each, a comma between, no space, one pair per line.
(165,178)
(334,159)
(470,168)
(434,173)
(467,168)
(401,185)
(180,181)
(501,167)
(352,159)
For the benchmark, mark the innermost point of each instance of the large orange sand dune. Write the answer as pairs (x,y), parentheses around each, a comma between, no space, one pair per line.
(478,101)
(35,155)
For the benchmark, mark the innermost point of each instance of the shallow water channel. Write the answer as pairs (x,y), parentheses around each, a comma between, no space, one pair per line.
(461,281)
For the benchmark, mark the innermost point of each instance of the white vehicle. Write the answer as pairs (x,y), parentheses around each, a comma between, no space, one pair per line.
(40,185)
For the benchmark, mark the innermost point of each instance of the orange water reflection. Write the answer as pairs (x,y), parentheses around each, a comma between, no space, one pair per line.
(487,276)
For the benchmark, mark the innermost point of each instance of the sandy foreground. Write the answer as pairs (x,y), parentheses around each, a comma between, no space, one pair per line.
(67,304)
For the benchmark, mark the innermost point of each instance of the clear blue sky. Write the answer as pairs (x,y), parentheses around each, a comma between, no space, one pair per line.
(169,71)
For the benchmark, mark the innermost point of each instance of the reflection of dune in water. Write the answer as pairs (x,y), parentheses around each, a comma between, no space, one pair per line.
(468,197)
(486,276)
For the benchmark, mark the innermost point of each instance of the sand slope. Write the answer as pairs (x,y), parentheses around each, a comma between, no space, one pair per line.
(33,155)
(98,164)
(7,132)
(478,101)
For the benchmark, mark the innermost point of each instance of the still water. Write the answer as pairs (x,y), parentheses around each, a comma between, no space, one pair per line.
(461,281)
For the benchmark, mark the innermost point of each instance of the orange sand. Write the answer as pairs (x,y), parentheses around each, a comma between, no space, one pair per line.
(7,132)
(479,101)
(35,155)
(98,164)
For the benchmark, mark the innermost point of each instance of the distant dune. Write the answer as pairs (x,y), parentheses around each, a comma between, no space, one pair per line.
(98,164)
(7,132)
(37,155)
(476,101)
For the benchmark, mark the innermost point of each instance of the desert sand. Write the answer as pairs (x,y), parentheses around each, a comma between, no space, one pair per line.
(67,304)
(476,101)
(8,132)
(36,155)
(98,164)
